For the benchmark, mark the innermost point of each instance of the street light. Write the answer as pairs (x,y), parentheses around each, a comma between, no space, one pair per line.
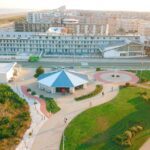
(65,121)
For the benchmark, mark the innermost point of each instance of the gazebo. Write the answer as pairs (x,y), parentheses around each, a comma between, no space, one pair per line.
(62,81)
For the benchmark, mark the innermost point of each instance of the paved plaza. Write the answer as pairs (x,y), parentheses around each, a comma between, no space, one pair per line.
(47,129)
(118,77)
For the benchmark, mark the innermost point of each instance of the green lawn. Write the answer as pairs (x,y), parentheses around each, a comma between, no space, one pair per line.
(96,128)
(144,75)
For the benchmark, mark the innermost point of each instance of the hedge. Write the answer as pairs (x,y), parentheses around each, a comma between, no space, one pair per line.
(51,105)
(97,90)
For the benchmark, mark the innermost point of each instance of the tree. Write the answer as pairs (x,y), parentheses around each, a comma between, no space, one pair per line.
(39,71)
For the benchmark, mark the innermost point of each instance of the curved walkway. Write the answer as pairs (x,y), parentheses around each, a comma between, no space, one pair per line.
(41,101)
(38,119)
(49,136)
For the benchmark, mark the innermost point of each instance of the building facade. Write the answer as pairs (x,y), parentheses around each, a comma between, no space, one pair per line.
(77,28)
(67,44)
(7,72)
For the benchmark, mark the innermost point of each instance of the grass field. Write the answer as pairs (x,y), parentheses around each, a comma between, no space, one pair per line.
(96,128)
(144,75)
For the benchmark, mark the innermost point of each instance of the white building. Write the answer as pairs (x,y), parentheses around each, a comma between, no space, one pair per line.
(7,72)
(62,81)
(67,44)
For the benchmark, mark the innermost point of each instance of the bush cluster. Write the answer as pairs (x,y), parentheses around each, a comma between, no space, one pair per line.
(127,84)
(125,138)
(33,93)
(97,90)
(39,71)
(28,90)
(7,94)
(17,114)
(51,105)
(145,96)
(98,69)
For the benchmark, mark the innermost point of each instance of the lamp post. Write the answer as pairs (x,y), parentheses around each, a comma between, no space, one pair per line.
(63,141)
(65,122)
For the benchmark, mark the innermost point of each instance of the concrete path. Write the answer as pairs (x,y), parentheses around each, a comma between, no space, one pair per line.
(146,145)
(41,101)
(38,119)
(49,136)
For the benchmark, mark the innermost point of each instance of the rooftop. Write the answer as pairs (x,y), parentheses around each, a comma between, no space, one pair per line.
(63,78)
(5,67)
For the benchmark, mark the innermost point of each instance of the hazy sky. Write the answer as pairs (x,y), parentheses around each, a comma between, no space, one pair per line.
(132,5)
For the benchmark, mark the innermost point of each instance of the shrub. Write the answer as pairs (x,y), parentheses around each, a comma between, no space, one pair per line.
(97,90)
(51,105)
(98,69)
(134,129)
(140,128)
(24,116)
(146,97)
(4,121)
(113,75)
(5,133)
(33,93)
(16,120)
(42,96)
(30,133)
(127,143)
(127,84)
(128,133)
(143,93)
(125,138)
(28,90)
(39,71)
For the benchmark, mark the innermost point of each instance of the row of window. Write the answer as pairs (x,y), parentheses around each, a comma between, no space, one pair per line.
(61,37)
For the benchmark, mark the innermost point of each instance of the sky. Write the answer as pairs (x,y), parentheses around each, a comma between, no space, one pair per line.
(125,5)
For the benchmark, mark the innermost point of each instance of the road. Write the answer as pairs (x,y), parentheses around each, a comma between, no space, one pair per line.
(120,64)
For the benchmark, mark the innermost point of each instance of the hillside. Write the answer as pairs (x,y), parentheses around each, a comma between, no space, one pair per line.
(14,118)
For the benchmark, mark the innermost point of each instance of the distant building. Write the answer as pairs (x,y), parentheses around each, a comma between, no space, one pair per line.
(76,28)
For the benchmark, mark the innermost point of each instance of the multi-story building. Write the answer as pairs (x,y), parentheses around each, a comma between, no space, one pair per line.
(69,45)
(46,16)
(85,21)
(127,25)
(76,28)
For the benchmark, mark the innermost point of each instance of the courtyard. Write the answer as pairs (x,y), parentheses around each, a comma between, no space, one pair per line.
(87,125)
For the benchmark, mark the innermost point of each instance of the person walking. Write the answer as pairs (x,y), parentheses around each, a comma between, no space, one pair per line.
(90,104)
(65,120)
(112,89)
(102,93)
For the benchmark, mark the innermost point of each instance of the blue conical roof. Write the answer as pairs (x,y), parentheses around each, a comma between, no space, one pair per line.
(63,78)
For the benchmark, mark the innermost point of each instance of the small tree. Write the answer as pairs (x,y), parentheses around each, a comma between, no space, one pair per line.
(39,71)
